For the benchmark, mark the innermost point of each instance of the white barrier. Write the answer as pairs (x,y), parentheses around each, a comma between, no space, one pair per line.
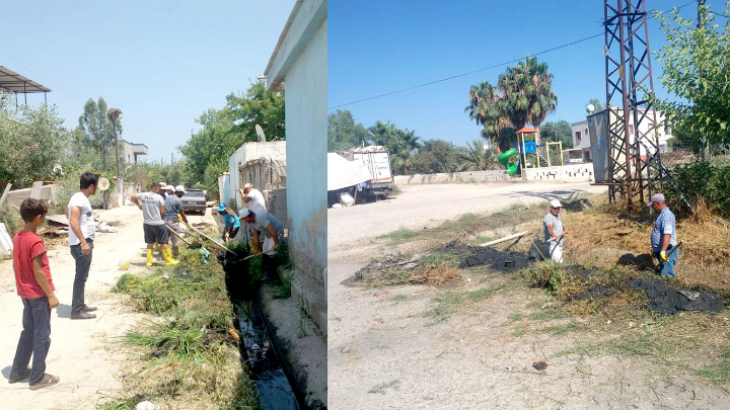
(566,173)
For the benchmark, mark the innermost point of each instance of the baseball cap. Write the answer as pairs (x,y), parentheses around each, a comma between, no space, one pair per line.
(656,198)
(248,185)
(180,188)
(555,204)
(221,207)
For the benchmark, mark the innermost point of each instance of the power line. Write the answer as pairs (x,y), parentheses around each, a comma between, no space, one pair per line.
(572,43)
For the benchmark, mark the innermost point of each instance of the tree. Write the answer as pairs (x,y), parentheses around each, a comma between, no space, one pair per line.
(696,68)
(401,144)
(488,108)
(597,106)
(343,133)
(528,90)
(257,106)
(558,131)
(476,158)
(97,129)
(436,156)
(33,144)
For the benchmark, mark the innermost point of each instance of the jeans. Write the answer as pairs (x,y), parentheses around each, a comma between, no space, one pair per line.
(83,263)
(35,339)
(667,268)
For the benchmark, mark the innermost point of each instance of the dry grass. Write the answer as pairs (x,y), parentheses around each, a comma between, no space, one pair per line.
(703,256)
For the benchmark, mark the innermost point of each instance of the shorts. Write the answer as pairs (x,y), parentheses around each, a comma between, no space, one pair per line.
(156,233)
(175,226)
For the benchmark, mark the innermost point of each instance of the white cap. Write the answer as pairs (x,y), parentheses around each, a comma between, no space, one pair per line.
(163,186)
(180,188)
(555,204)
(248,185)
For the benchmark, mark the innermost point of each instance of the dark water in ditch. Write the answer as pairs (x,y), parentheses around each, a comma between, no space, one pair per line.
(257,349)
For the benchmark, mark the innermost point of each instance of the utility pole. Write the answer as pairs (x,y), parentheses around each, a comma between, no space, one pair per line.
(171,158)
(114,115)
(700,23)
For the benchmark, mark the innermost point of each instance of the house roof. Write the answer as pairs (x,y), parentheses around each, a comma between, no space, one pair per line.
(13,82)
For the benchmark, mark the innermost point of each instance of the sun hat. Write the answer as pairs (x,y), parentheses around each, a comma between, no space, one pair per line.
(180,188)
(556,204)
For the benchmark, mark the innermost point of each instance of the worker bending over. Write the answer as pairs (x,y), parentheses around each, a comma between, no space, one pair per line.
(264,225)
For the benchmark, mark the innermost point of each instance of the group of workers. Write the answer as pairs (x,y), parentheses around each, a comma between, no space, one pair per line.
(663,235)
(262,228)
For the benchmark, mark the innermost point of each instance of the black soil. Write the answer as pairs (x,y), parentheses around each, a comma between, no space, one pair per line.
(503,261)
(667,299)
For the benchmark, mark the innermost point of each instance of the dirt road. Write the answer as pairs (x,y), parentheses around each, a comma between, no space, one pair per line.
(85,353)
(385,354)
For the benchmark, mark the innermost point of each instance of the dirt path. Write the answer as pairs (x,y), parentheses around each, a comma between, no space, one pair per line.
(385,354)
(85,354)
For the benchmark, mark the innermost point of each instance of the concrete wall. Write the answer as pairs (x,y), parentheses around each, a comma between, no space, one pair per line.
(567,173)
(476,176)
(247,152)
(300,65)
(16,197)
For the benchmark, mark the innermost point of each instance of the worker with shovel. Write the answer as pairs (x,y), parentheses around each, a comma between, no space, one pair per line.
(174,214)
(231,222)
(554,231)
(264,224)
(664,236)
(153,209)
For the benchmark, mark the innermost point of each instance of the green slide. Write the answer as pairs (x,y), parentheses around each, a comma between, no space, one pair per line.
(504,160)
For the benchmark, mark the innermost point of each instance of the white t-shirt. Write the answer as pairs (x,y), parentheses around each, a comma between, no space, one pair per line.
(86,220)
(151,207)
(256,198)
(261,223)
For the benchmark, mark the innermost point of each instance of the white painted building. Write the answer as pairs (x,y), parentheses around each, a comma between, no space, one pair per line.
(131,151)
(582,140)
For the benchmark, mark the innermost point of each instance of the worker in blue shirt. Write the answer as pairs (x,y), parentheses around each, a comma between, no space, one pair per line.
(231,222)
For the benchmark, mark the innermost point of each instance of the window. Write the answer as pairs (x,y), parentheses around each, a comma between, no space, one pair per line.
(577,137)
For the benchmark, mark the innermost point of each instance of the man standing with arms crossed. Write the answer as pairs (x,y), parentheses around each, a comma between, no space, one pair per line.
(81,240)
(173,208)
(153,209)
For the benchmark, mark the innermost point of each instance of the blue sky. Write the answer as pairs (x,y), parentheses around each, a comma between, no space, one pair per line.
(162,62)
(380,46)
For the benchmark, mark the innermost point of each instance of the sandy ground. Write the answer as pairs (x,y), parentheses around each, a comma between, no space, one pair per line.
(84,353)
(384,354)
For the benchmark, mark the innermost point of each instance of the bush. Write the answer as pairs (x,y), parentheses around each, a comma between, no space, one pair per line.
(704,181)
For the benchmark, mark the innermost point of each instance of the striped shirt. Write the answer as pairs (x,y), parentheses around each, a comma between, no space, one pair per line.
(665,224)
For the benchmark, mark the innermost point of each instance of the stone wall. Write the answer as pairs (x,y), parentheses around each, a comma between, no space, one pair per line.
(567,173)
(458,177)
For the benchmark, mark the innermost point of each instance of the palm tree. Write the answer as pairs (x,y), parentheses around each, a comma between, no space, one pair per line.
(475,158)
(488,108)
(528,88)
(401,144)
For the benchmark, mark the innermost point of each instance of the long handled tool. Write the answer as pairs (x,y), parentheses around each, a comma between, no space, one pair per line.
(172,231)
(212,240)
(671,251)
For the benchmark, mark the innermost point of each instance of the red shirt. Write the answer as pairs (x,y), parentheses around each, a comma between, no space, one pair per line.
(26,247)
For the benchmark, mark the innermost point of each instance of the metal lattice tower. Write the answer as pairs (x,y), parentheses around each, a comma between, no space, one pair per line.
(633,140)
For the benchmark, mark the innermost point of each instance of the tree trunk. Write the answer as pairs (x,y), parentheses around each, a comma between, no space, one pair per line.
(537,135)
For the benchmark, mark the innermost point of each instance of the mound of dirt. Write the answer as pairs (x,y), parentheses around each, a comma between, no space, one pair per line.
(391,262)
(669,300)
(499,260)
(642,262)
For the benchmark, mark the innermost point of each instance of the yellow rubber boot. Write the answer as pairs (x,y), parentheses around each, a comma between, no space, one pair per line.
(167,253)
(149,258)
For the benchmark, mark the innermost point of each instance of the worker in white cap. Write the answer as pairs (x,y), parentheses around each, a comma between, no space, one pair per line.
(554,231)
(664,236)
(251,195)
(174,213)
(267,227)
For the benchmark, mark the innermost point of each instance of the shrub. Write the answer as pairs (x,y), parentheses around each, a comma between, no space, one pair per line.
(704,181)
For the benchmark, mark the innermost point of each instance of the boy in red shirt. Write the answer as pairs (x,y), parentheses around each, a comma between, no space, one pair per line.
(35,287)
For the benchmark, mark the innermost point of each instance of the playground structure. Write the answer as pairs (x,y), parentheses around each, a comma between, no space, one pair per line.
(530,154)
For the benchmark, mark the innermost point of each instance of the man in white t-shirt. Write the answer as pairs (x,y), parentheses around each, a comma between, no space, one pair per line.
(155,230)
(81,240)
(251,195)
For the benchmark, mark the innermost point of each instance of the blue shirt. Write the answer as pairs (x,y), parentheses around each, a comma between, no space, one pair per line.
(231,220)
(665,224)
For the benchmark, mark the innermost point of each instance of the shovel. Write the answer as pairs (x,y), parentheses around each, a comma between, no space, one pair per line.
(671,251)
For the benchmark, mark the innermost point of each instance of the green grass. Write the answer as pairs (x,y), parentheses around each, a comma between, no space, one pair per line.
(562,330)
(515,214)
(516,316)
(549,314)
(719,372)
(646,344)
(168,339)
(449,303)
(285,288)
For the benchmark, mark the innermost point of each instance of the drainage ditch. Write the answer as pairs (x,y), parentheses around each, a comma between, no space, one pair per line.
(257,349)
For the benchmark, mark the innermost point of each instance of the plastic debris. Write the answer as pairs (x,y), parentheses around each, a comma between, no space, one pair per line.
(540,366)
(145,405)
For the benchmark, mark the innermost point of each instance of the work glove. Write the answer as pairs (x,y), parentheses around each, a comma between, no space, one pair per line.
(664,256)
(179,218)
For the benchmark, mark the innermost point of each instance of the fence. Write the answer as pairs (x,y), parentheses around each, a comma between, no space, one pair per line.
(462,177)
